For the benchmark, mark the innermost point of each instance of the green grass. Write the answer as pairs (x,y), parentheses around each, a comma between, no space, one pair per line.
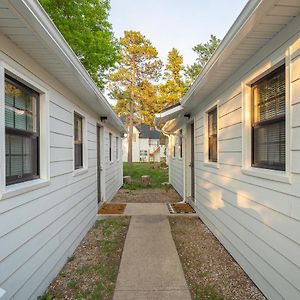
(103,271)
(207,292)
(157,172)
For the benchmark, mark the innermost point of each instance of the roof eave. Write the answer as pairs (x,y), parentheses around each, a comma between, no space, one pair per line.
(38,19)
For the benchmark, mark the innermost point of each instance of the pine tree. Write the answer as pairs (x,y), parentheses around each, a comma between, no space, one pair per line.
(132,83)
(174,87)
(204,53)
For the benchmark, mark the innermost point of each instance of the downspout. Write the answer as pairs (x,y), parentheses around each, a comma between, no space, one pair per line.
(183,158)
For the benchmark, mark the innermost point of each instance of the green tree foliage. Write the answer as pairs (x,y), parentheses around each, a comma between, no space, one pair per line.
(173,87)
(84,24)
(133,82)
(204,52)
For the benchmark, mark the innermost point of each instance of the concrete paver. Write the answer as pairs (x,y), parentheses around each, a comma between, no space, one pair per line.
(138,209)
(150,266)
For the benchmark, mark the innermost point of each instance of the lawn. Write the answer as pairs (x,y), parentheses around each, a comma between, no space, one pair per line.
(158,174)
(91,273)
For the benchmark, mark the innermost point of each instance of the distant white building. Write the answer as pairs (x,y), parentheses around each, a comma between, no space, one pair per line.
(146,145)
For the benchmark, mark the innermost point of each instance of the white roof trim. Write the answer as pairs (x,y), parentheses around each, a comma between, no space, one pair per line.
(238,30)
(167,114)
(36,17)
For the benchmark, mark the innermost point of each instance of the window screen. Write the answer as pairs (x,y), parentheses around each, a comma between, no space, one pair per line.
(21,132)
(268,121)
(78,141)
(213,135)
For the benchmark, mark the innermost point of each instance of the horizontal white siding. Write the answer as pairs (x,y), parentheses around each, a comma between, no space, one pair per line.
(175,167)
(257,220)
(114,168)
(41,228)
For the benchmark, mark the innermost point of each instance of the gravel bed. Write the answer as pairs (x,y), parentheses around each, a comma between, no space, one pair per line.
(210,271)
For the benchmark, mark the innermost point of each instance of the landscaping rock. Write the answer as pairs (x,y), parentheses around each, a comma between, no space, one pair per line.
(127,179)
(145,180)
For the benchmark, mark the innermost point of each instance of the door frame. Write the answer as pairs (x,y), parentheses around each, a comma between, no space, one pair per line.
(100,163)
(187,161)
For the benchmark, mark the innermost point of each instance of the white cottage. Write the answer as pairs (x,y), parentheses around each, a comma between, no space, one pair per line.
(60,150)
(146,145)
(234,145)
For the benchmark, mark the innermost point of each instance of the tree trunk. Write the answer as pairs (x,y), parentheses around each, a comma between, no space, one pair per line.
(130,133)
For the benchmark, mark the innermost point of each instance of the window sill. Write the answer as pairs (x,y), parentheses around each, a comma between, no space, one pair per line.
(79,172)
(24,187)
(273,175)
(214,165)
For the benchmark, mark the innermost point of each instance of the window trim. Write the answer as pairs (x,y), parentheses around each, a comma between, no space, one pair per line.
(84,169)
(110,138)
(78,166)
(261,124)
(21,133)
(18,73)
(180,144)
(207,162)
(117,148)
(247,168)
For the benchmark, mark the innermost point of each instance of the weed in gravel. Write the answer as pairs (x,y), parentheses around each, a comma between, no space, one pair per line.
(91,273)
(207,293)
(46,296)
(73,283)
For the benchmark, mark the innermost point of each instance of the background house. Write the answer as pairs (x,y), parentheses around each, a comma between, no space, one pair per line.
(240,166)
(147,145)
(60,150)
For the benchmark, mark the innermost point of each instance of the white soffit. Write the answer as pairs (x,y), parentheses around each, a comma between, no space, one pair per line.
(257,24)
(27,25)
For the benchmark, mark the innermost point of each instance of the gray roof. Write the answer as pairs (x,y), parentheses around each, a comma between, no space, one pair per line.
(147,132)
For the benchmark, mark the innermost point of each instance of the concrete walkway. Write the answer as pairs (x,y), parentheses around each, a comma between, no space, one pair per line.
(150,266)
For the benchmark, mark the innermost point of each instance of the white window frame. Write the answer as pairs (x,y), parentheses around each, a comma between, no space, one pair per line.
(110,147)
(247,168)
(206,161)
(84,168)
(117,148)
(26,78)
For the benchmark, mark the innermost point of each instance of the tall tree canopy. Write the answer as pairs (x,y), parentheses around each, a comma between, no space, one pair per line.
(84,24)
(133,82)
(173,87)
(204,52)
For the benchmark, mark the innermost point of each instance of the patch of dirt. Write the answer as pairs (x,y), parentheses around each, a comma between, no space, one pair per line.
(91,273)
(210,271)
(181,208)
(153,195)
(110,209)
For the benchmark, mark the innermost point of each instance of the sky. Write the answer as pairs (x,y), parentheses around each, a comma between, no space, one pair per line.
(175,23)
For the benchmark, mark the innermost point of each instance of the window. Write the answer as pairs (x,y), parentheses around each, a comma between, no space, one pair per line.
(180,143)
(110,146)
(143,152)
(174,151)
(117,148)
(78,141)
(268,121)
(153,142)
(21,132)
(212,119)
